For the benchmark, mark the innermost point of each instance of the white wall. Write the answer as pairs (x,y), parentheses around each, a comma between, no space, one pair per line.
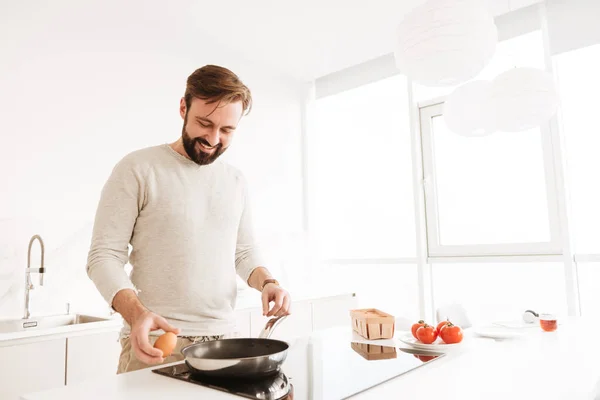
(84,83)
(572,24)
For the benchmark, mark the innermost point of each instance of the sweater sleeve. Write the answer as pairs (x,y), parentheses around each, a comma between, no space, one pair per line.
(120,203)
(247,254)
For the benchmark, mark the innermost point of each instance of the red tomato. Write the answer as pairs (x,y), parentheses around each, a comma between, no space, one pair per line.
(415,327)
(427,334)
(441,325)
(451,334)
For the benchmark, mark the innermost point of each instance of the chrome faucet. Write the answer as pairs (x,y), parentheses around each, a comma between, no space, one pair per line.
(29,270)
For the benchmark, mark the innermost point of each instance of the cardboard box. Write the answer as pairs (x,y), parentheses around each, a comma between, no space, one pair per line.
(372,323)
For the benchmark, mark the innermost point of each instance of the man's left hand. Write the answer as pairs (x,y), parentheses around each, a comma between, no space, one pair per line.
(280,299)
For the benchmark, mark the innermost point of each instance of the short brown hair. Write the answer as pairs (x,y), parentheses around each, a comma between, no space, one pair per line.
(217,84)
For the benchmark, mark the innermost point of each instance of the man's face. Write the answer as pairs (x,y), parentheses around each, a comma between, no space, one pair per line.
(208,128)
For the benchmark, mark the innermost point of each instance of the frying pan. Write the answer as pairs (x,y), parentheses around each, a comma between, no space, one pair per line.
(239,357)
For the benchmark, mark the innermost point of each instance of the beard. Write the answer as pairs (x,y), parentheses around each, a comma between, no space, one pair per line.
(194,150)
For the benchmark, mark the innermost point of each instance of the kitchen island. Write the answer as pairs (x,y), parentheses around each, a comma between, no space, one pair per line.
(323,365)
(57,349)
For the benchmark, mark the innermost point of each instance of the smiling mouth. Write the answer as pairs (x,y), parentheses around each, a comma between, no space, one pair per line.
(206,147)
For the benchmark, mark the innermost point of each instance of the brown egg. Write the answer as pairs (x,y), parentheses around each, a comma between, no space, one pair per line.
(166,343)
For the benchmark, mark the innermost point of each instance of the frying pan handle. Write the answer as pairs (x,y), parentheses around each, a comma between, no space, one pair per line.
(270,327)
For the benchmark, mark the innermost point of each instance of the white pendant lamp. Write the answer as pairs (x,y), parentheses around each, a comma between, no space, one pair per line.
(468,111)
(445,42)
(523,98)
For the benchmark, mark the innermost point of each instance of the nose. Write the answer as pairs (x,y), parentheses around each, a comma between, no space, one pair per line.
(213,137)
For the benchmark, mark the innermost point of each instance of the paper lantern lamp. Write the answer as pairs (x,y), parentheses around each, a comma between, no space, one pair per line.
(467,110)
(523,98)
(445,42)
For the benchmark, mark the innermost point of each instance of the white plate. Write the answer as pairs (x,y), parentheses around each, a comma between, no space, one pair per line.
(497,332)
(438,345)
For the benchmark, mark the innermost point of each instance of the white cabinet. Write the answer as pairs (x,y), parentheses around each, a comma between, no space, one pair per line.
(333,311)
(31,367)
(298,323)
(92,356)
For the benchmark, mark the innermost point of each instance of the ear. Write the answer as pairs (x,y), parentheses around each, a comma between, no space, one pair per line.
(182,108)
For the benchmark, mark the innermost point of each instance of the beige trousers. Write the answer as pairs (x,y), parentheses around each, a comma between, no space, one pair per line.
(128,361)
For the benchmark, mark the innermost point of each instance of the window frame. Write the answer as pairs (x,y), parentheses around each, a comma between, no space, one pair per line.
(432,109)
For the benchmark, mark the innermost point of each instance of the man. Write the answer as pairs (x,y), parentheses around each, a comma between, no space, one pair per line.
(186,215)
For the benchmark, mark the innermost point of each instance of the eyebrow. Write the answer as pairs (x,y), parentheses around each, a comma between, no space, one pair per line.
(202,119)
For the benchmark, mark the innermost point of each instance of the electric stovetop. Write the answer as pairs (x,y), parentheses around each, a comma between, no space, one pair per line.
(276,387)
(329,365)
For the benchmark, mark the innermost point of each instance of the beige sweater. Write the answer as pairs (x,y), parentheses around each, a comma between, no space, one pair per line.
(190,230)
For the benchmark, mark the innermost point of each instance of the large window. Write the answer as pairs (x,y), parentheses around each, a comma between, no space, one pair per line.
(493,204)
(362,182)
(579,85)
(488,195)
(492,195)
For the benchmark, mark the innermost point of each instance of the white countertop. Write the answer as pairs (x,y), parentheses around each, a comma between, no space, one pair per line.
(247,299)
(559,365)
(55,326)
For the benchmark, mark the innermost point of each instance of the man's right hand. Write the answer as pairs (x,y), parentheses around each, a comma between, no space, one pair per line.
(142,322)
(140,331)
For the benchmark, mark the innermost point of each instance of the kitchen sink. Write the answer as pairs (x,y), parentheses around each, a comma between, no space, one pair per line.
(46,322)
